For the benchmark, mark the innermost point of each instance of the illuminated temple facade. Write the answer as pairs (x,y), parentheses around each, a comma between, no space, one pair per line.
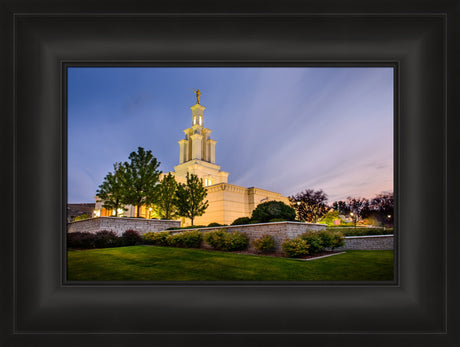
(197,155)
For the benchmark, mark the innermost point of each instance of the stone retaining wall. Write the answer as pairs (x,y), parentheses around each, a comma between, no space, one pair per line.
(121,224)
(370,242)
(278,230)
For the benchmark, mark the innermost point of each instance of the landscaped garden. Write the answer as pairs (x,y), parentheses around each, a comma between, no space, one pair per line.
(153,263)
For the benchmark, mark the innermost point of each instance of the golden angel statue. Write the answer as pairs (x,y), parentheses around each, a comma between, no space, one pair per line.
(198,93)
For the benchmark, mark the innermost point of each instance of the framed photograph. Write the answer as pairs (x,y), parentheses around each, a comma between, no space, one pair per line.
(41,307)
(303,170)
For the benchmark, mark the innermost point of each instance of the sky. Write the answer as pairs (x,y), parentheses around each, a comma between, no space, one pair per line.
(280,129)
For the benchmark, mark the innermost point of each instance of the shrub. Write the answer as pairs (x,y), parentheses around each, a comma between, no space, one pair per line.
(314,241)
(339,239)
(215,238)
(241,221)
(265,244)
(156,238)
(187,239)
(327,239)
(82,240)
(105,239)
(83,216)
(273,209)
(130,238)
(219,239)
(215,225)
(277,220)
(295,247)
(235,241)
(189,227)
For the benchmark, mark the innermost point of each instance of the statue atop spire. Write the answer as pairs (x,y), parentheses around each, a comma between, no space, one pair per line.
(197,93)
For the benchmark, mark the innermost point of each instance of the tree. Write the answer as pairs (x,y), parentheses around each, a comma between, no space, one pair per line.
(141,179)
(382,206)
(341,207)
(272,210)
(112,190)
(358,207)
(330,217)
(166,193)
(190,198)
(310,205)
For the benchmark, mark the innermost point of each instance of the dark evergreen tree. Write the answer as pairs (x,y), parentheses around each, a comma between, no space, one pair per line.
(268,210)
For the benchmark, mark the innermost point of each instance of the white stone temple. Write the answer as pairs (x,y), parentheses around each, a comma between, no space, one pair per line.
(197,155)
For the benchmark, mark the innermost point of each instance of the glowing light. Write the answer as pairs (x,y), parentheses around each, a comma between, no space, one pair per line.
(96,213)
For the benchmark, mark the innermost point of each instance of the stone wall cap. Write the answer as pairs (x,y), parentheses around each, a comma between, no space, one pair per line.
(246,225)
(368,236)
(123,218)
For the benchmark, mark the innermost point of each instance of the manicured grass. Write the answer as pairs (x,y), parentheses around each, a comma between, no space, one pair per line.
(151,263)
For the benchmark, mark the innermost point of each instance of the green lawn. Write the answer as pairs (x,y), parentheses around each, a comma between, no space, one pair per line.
(151,263)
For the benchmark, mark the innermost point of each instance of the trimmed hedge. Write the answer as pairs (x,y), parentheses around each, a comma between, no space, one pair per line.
(361,231)
(241,221)
(189,227)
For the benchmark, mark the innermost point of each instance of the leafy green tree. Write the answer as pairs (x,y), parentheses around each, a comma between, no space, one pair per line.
(141,179)
(165,202)
(190,198)
(112,190)
(273,210)
(330,216)
(310,205)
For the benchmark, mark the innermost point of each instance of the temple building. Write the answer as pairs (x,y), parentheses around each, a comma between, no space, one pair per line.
(197,155)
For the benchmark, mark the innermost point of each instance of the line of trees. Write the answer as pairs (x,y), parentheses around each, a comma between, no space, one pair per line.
(311,206)
(137,183)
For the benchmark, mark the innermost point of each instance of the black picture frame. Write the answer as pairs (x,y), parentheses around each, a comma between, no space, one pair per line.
(39,309)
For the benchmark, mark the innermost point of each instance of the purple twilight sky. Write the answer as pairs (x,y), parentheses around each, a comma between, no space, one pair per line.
(281,129)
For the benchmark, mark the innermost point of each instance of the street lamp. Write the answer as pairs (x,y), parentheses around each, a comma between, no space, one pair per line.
(354,219)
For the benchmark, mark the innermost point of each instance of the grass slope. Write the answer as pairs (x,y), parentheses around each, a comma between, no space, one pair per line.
(150,263)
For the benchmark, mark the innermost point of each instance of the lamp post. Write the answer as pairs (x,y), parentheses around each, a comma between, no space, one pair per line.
(354,219)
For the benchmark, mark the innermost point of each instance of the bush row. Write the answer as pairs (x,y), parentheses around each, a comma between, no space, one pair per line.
(185,239)
(312,242)
(102,239)
(362,231)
